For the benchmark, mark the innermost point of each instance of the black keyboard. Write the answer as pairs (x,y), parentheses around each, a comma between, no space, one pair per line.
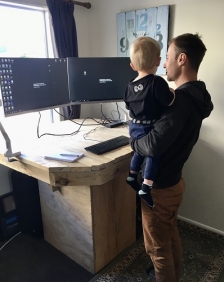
(109,145)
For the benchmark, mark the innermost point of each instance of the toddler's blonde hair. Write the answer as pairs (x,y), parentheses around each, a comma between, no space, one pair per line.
(144,53)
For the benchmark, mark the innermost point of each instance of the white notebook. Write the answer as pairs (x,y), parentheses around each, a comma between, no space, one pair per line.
(64,157)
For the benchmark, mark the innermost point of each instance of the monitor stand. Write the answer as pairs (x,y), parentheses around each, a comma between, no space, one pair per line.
(8,153)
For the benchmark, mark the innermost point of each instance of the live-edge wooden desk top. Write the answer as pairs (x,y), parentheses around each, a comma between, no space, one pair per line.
(89,170)
(89,212)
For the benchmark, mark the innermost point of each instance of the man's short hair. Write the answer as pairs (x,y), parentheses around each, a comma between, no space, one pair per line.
(192,46)
(144,53)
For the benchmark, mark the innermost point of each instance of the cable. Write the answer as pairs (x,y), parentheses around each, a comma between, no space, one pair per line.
(103,115)
(51,134)
(80,125)
(117,111)
(113,119)
(77,122)
(85,135)
(9,241)
(67,134)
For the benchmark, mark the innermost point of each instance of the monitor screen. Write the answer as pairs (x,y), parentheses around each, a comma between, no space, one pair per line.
(33,84)
(98,79)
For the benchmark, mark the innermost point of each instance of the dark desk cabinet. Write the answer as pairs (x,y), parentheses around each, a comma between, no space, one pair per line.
(27,200)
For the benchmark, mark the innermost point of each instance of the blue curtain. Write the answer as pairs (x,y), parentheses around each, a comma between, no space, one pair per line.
(66,40)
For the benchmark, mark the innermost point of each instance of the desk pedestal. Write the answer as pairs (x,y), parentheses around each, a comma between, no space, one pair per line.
(90,224)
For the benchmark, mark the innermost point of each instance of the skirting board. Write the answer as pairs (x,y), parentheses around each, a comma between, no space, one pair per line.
(201,225)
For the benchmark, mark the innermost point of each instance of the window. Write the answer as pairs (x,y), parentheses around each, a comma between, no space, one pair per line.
(24,32)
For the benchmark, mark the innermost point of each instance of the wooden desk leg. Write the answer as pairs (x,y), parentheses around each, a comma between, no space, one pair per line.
(90,224)
(114,219)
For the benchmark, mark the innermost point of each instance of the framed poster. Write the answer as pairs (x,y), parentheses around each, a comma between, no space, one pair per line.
(151,22)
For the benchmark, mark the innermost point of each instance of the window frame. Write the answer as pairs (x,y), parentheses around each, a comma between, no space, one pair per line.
(50,51)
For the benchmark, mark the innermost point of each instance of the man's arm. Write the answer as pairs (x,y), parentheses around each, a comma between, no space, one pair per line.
(165,130)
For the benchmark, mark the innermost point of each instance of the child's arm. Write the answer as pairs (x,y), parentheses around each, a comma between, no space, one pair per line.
(173,91)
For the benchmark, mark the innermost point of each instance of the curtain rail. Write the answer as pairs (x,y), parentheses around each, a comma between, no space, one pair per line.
(83,4)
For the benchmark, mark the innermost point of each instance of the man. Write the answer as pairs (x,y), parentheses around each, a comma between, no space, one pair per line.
(173,137)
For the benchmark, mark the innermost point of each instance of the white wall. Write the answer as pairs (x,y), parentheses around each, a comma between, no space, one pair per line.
(204,196)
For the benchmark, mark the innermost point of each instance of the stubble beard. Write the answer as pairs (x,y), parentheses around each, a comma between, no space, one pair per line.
(169,78)
(173,77)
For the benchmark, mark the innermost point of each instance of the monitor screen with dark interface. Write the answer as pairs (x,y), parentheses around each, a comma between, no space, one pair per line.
(98,79)
(32,84)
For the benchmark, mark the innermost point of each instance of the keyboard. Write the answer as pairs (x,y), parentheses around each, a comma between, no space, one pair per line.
(109,145)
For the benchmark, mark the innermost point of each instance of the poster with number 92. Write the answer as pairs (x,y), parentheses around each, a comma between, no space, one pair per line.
(151,22)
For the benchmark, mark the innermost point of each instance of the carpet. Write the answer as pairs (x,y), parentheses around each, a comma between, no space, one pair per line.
(29,259)
(203,259)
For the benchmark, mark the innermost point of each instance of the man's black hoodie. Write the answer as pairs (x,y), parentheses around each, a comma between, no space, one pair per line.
(175,134)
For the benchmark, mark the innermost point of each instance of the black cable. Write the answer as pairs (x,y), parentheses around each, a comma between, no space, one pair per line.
(103,115)
(51,134)
(111,120)
(67,134)
(119,115)
(77,122)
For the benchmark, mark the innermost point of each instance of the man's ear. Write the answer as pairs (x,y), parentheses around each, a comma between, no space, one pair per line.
(132,66)
(182,59)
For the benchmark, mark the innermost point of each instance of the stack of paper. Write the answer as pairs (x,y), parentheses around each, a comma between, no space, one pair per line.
(64,157)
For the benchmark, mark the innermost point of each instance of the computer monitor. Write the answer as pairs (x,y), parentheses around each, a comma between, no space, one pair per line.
(33,84)
(94,80)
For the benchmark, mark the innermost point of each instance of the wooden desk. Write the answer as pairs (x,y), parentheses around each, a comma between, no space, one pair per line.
(88,210)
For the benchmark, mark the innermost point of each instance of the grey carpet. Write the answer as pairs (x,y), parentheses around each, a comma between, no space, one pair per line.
(203,259)
(29,259)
